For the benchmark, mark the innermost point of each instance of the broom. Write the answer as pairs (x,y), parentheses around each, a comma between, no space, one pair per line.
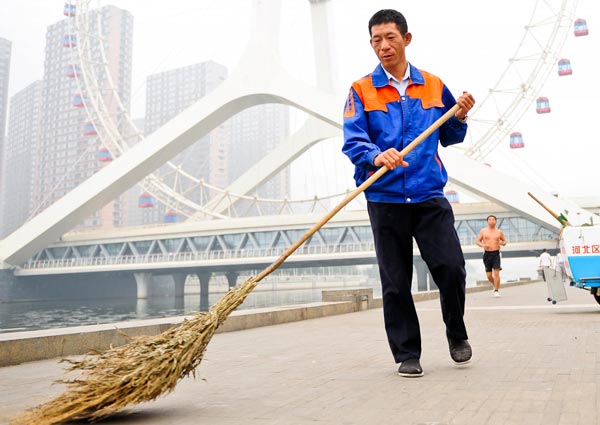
(150,366)
(561,218)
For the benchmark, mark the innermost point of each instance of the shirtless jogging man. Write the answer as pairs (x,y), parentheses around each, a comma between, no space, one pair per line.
(490,239)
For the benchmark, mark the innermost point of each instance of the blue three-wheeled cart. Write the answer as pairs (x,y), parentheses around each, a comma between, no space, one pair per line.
(580,245)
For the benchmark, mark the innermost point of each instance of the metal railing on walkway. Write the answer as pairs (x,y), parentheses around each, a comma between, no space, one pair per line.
(196,256)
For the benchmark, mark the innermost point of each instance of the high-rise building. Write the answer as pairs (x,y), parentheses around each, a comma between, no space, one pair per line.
(229,150)
(5,48)
(66,152)
(23,132)
(168,93)
(254,133)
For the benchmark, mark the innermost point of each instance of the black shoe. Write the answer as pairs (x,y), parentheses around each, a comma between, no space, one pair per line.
(460,350)
(410,368)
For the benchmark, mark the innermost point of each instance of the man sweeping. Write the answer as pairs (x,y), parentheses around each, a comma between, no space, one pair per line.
(384,112)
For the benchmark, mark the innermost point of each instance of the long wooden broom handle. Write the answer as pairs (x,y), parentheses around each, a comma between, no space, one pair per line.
(552,213)
(355,193)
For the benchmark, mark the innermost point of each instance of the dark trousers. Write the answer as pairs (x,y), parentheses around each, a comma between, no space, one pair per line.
(431,223)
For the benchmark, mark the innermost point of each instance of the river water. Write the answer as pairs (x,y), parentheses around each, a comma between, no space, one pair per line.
(26,316)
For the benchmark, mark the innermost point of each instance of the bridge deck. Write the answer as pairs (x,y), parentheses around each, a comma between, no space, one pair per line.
(533,363)
(256,242)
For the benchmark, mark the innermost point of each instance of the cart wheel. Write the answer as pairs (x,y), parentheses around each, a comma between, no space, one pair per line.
(596,296)
(553,301)
(549,299)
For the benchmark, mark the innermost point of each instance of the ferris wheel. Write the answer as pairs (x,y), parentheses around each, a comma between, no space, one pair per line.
(109,118)
(520,83)
(184,194)
(180,191)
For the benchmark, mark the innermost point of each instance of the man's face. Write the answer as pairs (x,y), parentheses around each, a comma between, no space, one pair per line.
(491,222)
(389,45)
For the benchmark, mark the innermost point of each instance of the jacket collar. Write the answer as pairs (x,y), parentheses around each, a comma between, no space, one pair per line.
(380,79)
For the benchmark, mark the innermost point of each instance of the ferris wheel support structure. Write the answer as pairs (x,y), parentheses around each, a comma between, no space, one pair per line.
(110,116)
(114,123)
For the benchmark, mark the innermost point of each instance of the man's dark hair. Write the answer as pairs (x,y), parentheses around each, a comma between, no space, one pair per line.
(491,215)
(385,16)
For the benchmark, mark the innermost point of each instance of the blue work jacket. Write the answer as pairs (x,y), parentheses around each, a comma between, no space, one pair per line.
(377,118)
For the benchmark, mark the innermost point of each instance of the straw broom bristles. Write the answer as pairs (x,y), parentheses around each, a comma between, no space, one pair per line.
(148,367)
(139,371)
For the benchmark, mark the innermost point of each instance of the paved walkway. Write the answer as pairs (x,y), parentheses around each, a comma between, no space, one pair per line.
(534,363)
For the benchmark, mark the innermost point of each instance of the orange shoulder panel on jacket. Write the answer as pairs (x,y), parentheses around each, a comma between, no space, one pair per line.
(430,93)
(375,98)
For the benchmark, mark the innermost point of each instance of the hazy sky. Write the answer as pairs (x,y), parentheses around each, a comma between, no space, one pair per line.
(466,42)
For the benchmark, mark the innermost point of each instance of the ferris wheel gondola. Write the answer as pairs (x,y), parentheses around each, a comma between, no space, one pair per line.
(542,105)
(73,71)
(452,196)
(78,100)
(104,155)
(564,67)
(89,129)
(70,10)
(69,40)
(580,27)
(516,140)
(172,217)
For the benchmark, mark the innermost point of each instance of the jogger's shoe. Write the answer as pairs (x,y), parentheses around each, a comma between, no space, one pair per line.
(410,368)
(496,294)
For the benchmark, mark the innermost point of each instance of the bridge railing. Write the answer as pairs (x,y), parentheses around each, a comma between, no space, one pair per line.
(215,255)
(196,256)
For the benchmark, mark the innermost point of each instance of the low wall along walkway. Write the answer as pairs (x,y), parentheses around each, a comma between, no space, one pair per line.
(20,347)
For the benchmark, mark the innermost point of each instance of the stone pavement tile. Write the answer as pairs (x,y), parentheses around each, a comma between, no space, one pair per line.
(533,364)
(567,418)
(589,415)
(551,414)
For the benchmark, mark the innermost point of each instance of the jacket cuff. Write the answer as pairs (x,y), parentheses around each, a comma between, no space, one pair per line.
(371,156)
(458,122)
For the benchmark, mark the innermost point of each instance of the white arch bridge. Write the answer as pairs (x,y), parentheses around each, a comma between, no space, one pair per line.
(137,257)
(33,250)
(253,243)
